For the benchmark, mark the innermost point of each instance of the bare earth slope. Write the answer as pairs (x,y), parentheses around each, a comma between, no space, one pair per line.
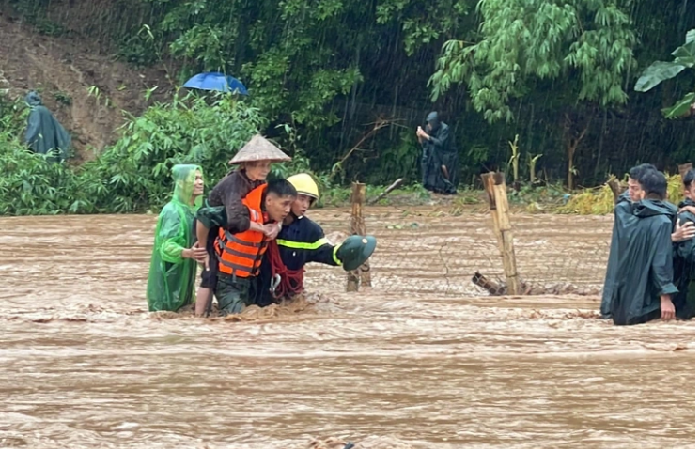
(63,69)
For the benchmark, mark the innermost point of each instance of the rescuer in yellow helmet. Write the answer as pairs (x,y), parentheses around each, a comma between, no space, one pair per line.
(301,241)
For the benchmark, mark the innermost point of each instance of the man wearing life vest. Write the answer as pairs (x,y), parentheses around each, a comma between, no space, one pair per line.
(239,255)
(301,241)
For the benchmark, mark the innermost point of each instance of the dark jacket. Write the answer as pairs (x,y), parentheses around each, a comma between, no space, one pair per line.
(684,268)
(228,193)
(299,243)
(645,263)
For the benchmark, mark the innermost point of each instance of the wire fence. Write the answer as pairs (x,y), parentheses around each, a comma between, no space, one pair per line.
(432,252)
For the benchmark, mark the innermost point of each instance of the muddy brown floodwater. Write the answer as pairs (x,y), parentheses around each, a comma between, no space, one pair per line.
(421,360)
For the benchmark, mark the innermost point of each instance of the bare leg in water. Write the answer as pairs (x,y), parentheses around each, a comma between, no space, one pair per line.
(202,295)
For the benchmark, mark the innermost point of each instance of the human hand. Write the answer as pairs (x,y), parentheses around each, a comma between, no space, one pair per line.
(198,253)
(668,310)
(271,230)
(683,232)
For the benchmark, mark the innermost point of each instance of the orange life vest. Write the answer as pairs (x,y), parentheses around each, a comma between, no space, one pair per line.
(241,254)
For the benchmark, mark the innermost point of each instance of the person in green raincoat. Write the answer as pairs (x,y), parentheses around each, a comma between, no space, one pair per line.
(171,280)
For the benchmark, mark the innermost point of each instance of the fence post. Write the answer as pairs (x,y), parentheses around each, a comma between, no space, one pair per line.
(684,168)
(496,188)
(358,199)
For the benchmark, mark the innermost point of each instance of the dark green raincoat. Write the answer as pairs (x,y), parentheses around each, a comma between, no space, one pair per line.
(684,269)
(644,268)
(622,217)
(44,133)
(171,281)
(437,152)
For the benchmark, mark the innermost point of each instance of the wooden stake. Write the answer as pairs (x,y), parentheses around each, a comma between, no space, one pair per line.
(496,188)
(684,168)
(358,198)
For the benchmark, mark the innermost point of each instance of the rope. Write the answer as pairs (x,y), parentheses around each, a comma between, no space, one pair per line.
(291,281)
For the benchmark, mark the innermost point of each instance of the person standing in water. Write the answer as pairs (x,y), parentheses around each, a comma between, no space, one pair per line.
(225,209)
(171,279)
(301,241)
(240,254)
(623,218)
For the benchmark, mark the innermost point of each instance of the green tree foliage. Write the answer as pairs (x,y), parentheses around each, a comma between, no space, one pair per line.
(134,174)
(556,72)
(586,45)
(659,71)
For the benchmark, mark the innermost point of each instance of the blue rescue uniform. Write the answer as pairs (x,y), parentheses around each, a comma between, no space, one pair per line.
(298,243)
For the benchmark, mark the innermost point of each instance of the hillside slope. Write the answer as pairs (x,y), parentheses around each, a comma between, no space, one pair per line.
(62,69)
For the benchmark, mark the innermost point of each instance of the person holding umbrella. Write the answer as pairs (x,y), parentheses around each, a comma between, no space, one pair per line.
(224,207)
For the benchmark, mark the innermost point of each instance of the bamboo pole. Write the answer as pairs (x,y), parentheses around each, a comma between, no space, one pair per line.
(496,188)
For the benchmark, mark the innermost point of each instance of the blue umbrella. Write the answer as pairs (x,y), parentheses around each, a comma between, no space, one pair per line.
(216,81)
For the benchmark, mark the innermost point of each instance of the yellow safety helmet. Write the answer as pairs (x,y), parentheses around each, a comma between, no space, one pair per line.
(305,185)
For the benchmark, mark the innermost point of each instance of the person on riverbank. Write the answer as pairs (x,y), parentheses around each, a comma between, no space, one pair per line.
(622,220)
(239,254)
(225,209)
(644,285)
(301,241)
(439,157)
(171,277)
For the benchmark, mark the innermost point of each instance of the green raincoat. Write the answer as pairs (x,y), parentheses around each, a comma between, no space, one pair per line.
(171,281)
(44,133)
(684,269)
(644,268)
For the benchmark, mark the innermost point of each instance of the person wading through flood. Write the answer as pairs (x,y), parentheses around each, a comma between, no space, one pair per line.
(684,264)
(644,276)
(240,254)
(224,207)
(439,158)
(171,278)
(301,241)
(623,219)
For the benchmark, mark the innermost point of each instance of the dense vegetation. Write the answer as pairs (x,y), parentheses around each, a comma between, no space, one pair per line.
(343,84)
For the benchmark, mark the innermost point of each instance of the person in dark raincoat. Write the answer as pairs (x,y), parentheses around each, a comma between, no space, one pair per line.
(44,134)
(684,263)
(440,160)
(301,241)
(623,219)
(171,278)
(643,285)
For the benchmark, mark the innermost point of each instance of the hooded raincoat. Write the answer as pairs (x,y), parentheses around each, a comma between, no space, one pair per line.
(44,133)
(171,281)
(644,269)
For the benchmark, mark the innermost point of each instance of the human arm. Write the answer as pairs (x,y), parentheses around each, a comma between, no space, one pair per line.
(662,269)
(172,235)
(440,141)
(322,250)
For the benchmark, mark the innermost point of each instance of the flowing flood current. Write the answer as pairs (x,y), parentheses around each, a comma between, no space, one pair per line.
(422,359)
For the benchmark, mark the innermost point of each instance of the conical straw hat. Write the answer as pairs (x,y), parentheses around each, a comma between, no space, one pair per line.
(259,149)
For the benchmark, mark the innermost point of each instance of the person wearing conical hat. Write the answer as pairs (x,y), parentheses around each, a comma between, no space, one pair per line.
(301,241)
(224,208)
